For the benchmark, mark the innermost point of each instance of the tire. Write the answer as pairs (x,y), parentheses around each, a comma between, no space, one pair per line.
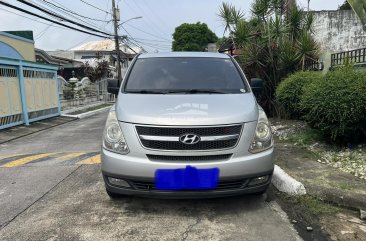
(113,195)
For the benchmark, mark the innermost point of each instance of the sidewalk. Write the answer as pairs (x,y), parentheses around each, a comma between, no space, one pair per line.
(23,130)
(320,180)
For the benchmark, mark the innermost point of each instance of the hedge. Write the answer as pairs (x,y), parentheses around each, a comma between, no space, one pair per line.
(290,90)
(336,105)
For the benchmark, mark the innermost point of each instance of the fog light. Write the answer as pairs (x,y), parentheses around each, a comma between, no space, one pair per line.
(258,180)
(118,182)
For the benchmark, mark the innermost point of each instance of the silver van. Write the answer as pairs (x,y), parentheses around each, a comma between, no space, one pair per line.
(186,125)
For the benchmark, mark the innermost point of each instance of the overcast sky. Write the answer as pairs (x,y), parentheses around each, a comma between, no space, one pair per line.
(153,31)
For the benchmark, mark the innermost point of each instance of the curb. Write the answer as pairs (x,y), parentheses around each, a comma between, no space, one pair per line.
(285,183)
(31,133)
(82,107)
(88,114)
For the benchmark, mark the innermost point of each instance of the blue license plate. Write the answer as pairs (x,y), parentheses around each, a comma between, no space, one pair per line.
(189,178)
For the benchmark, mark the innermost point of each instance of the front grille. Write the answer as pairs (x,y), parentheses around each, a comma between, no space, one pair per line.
(178,146)
(178,131)
(172,135)
(189,158)
(223,185)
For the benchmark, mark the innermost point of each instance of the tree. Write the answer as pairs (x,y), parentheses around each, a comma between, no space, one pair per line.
(345,6)
(275,42)
(359,7)
(98,72)
(193,37)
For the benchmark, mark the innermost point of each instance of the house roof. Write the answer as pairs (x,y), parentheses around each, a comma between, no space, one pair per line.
(54,59)
(105,45)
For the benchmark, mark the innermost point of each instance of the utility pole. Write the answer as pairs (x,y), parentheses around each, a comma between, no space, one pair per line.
(116,18)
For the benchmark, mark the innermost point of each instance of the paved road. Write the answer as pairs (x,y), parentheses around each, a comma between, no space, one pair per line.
(51,189)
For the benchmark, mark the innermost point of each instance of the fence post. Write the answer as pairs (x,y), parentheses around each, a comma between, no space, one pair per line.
(23,94)
(58,92)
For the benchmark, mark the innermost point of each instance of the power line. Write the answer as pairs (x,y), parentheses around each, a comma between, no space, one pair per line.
(129,39)
(47,19)
(159,37)
(65,19)
(157,15)
(59,6)
(35,20)
(94,6)
(154,40)
(38,36)
(138,13)
(105,17)
(152,20)
(67,12)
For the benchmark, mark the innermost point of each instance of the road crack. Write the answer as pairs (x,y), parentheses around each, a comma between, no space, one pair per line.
(42,196)
(189,229)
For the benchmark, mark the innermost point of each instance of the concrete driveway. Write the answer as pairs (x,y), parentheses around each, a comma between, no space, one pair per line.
(51,189)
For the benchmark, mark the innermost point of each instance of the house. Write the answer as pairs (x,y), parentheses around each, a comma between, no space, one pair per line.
(103,50)
(43,57)
(28,90)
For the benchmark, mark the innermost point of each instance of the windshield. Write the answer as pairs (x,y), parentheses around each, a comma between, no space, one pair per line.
(184,75)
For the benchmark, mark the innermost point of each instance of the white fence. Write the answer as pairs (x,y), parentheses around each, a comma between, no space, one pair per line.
(83,92)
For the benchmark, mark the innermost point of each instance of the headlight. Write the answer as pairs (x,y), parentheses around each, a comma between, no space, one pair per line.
(113,139)
(263,134)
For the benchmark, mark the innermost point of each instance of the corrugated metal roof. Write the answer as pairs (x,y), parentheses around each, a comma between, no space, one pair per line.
(104,45)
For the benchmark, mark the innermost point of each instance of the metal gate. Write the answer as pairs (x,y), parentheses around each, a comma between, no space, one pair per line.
(28,92)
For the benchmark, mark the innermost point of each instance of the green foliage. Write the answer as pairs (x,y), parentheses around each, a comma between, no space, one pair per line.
(359,7)
(98,72)
(290,90)
(70,91)
(275,42)
(193,37)
(306,137)
(231,15)
(345,6)
(336,105)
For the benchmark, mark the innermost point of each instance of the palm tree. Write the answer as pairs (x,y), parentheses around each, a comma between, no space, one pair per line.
(275,42)
(359,7)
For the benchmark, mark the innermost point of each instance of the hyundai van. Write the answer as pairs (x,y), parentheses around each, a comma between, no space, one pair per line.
(186,125)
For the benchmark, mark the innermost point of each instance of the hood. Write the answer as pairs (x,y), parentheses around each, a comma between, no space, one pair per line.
(187,109)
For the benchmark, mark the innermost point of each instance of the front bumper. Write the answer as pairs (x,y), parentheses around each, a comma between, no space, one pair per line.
(186,194)
(142,170)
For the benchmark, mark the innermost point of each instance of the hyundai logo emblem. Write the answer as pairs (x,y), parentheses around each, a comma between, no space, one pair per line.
(189,139)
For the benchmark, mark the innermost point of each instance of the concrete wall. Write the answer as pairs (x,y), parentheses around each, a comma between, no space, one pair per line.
(338,31)
(24,47)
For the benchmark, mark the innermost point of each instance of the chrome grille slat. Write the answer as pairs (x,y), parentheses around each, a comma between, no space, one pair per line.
(178,131)
(168,137)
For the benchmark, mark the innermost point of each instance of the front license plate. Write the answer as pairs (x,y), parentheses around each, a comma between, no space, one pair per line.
(189,178)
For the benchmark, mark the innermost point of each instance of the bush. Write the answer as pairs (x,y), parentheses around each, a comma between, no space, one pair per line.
(337,105)
(290,90)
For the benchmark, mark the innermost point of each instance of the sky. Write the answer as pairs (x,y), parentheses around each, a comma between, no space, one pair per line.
(153,31)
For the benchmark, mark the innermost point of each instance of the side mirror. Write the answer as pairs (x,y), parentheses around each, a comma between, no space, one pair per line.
(112,86)
(257,86)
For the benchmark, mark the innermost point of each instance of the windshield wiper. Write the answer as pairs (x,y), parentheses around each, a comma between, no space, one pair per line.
(196,91)
(189,91)
(146,92)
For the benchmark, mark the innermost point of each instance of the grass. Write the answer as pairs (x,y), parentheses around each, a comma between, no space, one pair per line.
(97,107)
(307,136)
(314,205)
